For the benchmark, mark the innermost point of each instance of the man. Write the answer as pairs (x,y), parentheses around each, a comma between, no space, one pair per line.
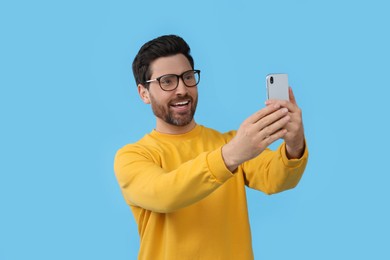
(185,183)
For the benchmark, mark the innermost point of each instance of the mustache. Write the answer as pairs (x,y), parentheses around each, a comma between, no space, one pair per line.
(180,99)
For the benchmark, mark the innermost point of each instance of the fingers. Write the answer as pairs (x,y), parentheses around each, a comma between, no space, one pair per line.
(293,108)
(272,122)
(273,137)
(291,95)
(291,104)
(267,121)
(262,113)
(294,127)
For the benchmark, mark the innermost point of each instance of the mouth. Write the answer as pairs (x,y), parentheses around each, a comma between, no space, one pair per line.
(181,104)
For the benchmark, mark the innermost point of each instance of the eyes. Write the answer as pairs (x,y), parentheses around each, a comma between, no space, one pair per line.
(167,80)
(190,76)
(172,80)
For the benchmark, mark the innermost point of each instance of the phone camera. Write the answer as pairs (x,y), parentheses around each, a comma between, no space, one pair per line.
(271,80)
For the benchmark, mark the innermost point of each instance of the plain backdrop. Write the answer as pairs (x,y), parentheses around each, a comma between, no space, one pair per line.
(68,101)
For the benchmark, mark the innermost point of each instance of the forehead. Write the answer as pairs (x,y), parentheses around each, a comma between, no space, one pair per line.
(175,64)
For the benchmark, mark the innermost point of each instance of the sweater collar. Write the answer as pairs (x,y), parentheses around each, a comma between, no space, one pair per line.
(189,135)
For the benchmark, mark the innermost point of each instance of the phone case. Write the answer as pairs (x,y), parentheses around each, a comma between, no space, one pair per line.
(277,86)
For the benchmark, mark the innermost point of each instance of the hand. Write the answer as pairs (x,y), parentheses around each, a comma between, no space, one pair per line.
(255,134)
(294,138)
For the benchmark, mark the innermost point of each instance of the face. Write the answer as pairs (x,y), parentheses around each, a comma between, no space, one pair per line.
(172,108)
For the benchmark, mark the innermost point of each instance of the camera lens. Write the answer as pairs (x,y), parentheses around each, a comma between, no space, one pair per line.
(271,80)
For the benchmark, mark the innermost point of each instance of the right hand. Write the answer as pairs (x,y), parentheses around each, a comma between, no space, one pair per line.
(255,134)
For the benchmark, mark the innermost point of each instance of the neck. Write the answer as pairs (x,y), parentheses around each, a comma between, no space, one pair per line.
(165,128)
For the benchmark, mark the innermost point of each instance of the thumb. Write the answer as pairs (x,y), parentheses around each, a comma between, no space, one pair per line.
(291,96)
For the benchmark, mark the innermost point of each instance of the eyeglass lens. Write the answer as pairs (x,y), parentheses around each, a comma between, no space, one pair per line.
(190,79)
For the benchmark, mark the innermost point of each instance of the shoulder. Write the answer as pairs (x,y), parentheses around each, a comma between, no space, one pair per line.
(143,146)
(226,136)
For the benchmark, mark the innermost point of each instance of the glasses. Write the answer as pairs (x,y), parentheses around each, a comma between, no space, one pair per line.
(170,82)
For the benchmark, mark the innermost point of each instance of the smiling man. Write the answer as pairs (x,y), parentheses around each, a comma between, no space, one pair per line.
(184,182)
(173,105)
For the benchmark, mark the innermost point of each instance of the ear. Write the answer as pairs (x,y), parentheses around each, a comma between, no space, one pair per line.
(143,93)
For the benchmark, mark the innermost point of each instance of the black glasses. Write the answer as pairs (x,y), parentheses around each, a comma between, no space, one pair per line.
(170,82)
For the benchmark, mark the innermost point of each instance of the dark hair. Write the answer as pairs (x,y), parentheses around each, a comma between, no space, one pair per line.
(163,46)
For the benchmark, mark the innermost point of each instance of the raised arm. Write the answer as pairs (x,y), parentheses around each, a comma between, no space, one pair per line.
(255,134)
(266,170)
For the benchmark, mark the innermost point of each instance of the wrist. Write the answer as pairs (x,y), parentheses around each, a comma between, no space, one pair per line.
(296,151)
(228,158)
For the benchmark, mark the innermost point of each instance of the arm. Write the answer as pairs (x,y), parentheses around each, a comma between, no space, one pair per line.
(270,171)
(255,134)
(145,184)
(273,171)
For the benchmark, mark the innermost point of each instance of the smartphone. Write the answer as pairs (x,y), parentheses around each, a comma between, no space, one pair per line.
(277,86)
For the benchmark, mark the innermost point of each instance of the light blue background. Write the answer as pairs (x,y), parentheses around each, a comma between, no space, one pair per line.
(68,101)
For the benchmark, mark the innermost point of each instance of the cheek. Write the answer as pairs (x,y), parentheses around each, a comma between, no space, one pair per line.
(162,99)
(193,91)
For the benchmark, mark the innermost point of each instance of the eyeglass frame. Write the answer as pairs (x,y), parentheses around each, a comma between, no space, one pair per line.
(177,77)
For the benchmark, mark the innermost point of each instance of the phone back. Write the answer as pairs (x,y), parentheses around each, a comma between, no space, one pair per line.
(277,86)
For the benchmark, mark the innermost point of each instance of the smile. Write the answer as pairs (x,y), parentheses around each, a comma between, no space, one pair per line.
(180,104)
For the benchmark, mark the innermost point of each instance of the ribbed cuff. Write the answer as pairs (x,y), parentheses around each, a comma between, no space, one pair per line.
(217,166)
(292,163)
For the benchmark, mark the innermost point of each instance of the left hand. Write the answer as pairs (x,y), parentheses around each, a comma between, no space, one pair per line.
(295,137)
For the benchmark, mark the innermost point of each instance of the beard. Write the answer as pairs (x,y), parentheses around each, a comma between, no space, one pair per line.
(166,113)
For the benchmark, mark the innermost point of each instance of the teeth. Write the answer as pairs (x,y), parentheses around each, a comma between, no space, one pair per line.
(181,103)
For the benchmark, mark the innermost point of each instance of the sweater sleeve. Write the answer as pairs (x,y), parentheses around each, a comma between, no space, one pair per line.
(272,172)
(146,184)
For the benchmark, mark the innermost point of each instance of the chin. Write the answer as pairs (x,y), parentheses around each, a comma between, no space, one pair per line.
(179,122)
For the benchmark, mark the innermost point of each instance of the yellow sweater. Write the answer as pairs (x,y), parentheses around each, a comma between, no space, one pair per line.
(186,203)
